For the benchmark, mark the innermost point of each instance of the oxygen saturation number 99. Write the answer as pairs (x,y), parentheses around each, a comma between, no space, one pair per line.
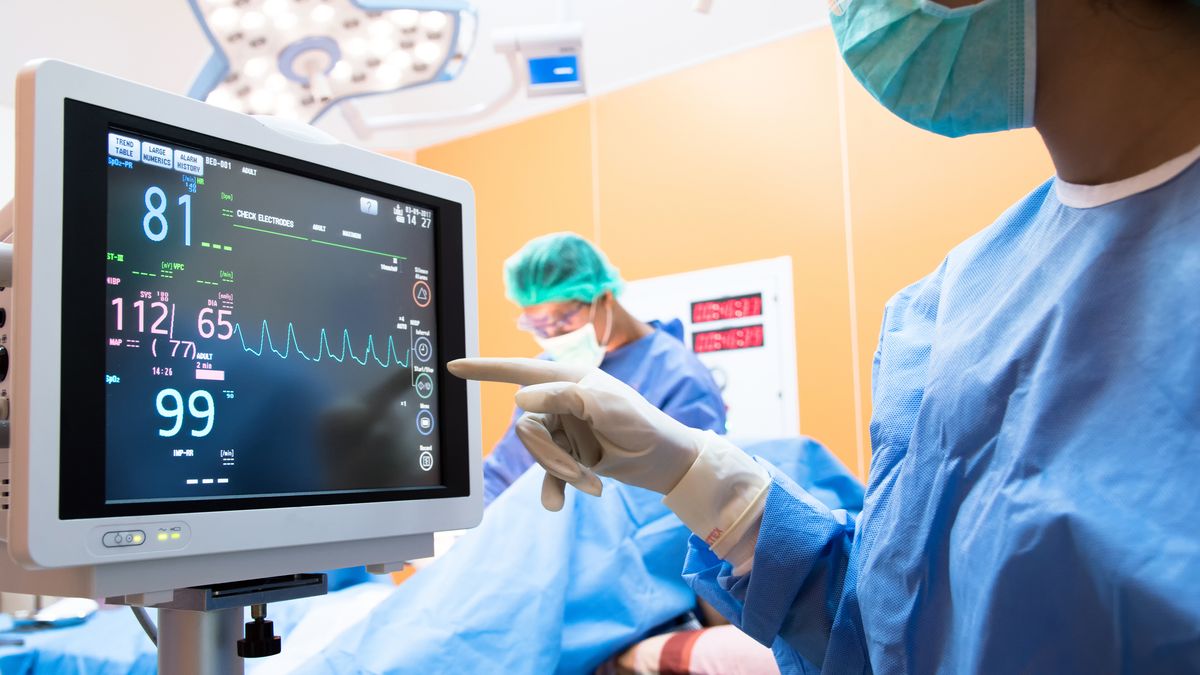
(169,403)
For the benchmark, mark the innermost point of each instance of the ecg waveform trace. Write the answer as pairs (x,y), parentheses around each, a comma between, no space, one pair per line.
(265,342)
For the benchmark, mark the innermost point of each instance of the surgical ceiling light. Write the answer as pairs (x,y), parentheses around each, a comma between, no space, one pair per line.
(297,58)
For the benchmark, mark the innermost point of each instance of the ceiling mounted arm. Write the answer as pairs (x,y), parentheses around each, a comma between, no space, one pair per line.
(364,127)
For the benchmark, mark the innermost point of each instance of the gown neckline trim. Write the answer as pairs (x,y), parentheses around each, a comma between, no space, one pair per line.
(1090,196)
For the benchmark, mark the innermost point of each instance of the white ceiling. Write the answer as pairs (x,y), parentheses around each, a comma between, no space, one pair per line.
(158,42)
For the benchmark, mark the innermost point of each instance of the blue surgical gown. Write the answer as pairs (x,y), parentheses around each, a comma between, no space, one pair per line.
(535,592)
(1034,493)
(527,592)
(660,367)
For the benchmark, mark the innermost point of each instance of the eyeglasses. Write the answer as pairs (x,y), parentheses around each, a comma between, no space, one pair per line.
(551,326)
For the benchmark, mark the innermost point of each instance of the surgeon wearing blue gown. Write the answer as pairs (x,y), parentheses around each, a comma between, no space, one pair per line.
(1033,495)
(567,291)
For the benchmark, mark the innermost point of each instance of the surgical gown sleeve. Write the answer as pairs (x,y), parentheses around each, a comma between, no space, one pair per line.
(802,587)
(792,597)
(508,461)
(696,406)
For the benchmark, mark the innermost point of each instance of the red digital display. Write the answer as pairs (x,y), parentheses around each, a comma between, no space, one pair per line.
(743,337)
(727,308)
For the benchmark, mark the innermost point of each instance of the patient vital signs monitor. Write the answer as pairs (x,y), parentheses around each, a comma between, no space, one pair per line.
(270,336)
(229,343)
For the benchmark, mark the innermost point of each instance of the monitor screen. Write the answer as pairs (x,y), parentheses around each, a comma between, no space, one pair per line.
(269,334)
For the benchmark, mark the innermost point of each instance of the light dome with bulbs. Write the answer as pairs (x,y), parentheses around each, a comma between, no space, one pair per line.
(297,58)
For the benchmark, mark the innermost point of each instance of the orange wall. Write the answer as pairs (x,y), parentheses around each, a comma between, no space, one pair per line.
(753,155)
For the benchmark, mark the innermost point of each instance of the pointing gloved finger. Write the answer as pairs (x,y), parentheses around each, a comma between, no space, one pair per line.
(553,492)
(534,432)
(516,371)
(559,398)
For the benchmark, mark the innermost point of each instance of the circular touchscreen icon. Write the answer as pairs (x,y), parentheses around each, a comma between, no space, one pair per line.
(425,422)
(421,294)
(424,348)
(424,385)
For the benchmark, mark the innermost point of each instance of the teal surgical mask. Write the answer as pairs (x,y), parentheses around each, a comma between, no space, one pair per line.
(579,347)
(954,72)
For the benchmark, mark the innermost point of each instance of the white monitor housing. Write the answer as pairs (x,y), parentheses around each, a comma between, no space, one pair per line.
(269,312)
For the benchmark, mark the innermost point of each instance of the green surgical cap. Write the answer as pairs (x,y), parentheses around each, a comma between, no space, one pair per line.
(557,268)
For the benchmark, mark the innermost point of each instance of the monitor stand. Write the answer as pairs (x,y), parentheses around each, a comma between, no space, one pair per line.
(200,629)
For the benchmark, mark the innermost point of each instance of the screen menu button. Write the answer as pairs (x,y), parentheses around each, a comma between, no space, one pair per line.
(157,155)
(189,162)
(125,147)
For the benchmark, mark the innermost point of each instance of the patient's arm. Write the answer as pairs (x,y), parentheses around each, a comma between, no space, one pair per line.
(711,651)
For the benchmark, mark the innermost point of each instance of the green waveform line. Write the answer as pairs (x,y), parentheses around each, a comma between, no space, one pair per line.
(323,349)
(277,234)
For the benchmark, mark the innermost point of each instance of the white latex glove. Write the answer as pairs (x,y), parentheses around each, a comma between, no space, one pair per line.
(582,422)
